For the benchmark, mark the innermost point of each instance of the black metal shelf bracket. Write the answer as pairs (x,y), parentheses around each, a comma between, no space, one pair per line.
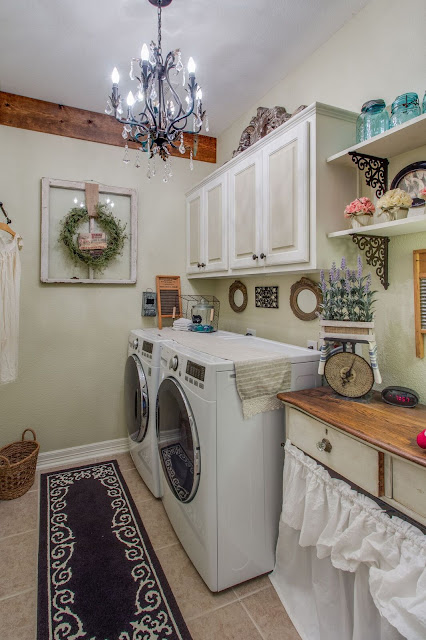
(376,253)
(376,170)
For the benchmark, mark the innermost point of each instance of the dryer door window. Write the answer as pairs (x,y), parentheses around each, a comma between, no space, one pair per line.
(136,399)
(178,443)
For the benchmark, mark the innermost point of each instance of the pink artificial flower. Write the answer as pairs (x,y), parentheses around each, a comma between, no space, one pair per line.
(422,193)
(360,206)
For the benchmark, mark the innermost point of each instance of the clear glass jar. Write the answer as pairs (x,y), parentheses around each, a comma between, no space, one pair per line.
(404,108)
(372,120)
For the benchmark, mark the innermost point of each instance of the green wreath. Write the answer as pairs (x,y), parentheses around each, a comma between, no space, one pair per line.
(113,228)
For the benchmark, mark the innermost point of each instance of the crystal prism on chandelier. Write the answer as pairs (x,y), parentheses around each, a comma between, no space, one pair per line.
(156,117)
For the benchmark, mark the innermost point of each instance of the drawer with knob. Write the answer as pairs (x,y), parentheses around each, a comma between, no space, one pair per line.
(350,458)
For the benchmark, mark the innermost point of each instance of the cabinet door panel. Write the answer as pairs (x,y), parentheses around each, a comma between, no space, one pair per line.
(216,221)
(286,198)
(194,233)
(245,212)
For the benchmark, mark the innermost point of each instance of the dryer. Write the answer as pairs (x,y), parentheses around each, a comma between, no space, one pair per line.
(221,474)
(141,379)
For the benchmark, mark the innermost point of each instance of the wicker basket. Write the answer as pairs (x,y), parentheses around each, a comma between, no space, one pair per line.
(17,467)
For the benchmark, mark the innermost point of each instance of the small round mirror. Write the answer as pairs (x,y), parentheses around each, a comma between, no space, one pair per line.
(305,299)
(237,296)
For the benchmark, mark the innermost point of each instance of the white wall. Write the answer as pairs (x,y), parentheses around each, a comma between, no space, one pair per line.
(381,52)
(73,341)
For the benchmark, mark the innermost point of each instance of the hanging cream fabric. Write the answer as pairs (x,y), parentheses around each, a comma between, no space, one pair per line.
(345,570)
(10,280)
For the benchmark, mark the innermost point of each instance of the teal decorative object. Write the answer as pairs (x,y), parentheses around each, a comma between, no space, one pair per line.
(404,107)
(372,120)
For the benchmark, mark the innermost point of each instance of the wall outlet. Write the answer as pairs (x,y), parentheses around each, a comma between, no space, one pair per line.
(250,332)
(312,344)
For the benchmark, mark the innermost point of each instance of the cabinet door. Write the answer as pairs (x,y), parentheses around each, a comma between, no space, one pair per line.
(286,198)
(216,225)
(245,202)
(194,233)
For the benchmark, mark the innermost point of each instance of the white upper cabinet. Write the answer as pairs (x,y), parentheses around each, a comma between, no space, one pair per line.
(270,208)
(194,232)
(207,224)
(216,224)
(285,219)
(245,210)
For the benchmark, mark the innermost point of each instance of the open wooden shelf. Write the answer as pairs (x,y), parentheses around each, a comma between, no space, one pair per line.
(414,224)
(404,137)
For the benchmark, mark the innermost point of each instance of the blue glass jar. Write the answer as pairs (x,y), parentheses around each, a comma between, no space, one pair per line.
(404,108)
(372,120)
(424,104)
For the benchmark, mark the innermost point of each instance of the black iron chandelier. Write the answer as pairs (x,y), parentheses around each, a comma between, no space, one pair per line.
(156,117)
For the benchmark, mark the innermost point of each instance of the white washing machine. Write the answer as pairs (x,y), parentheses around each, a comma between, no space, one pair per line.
(222,475)
(141,380)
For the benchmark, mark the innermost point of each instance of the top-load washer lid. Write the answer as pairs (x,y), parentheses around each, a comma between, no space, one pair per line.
(136,399)
(178,443)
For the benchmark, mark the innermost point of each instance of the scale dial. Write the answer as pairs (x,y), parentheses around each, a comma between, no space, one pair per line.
(349,375)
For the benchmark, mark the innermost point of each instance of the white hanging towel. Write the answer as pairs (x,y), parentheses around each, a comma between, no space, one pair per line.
(10,282)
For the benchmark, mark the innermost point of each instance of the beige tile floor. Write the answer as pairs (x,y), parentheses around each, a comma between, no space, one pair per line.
(251,611)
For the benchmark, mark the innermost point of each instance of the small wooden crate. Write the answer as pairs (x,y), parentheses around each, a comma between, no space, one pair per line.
(18,462)
(342,330)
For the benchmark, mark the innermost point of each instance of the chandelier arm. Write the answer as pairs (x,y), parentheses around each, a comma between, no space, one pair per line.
(168,68)
(184,118)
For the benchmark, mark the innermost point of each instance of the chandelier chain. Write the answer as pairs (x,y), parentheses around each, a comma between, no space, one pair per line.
(159,24)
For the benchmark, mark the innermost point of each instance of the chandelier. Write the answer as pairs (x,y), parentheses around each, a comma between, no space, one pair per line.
(155,116)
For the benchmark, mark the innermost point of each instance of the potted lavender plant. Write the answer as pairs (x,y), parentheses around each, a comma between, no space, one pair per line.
(347,306)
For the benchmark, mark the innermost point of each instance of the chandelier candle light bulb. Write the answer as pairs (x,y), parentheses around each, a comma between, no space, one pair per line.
(162,115)
(144,53)
(191,67)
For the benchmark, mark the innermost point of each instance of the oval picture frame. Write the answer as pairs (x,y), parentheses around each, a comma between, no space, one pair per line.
(305,284)
(237,286)
(404,173)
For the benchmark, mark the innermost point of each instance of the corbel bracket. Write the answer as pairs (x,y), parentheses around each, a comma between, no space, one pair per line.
(376,253)
(376,170)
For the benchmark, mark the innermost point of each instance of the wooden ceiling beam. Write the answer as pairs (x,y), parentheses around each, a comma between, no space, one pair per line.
(60,120)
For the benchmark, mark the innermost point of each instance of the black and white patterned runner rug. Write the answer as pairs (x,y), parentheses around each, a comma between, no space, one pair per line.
(99,577)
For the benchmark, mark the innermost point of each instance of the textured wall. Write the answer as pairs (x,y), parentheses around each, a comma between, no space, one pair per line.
(361,61)
(73,341)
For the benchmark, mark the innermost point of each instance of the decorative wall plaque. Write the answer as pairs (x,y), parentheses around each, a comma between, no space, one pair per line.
(265,121)
(266,297)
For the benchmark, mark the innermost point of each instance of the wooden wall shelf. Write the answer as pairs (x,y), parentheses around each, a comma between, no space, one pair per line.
(400,139)
(414,224)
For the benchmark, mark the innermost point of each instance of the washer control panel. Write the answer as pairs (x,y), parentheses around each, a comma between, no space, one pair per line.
(195,370)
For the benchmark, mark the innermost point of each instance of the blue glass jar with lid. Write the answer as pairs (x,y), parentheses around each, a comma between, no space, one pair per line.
(424,104)
(404,107)
(372,120)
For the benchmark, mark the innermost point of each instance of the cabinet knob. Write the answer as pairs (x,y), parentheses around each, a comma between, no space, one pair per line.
(199,265)
(202,264)
(324,445)
(254,256)
(262,256)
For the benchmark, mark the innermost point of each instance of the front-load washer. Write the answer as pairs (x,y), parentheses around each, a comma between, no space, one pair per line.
(141,380)
(222,475)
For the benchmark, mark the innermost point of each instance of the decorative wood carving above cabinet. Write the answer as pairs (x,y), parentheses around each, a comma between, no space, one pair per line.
(269,209)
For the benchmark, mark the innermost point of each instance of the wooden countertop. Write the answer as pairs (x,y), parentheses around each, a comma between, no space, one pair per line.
(390,428)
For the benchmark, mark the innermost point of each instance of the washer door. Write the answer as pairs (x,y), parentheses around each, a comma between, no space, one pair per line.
(136,399)
(178,443)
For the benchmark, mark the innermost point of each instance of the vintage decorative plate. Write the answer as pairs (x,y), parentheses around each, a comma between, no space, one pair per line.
(412,179)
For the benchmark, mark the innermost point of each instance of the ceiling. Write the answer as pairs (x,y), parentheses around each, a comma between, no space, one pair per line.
(64,51)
